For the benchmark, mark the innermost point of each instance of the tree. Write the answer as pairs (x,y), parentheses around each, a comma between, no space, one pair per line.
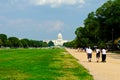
(3,38)
(83,37)
(101,26)
(92,27)
(14,41)
(1,43)
(71,44)
(44,44)
(50,43)
(108,15)
(8,43)
(25,42)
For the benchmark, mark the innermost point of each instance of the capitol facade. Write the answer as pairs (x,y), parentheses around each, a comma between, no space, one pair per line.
(59,41)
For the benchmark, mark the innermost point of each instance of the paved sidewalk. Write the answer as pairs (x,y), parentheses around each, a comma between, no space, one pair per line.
(100,71)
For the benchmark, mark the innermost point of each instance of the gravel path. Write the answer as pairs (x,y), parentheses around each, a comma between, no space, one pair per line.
(100,71)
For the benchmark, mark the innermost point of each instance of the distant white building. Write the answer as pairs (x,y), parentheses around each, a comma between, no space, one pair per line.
(59,41)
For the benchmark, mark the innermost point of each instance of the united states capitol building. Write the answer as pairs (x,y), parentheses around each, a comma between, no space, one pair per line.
(59,41)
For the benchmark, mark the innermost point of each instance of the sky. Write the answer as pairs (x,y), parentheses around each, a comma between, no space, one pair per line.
(44,19)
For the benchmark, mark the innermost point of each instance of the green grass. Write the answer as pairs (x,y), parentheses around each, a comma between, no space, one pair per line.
(40,64)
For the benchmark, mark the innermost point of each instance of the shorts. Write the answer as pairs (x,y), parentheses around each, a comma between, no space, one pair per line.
(89,55)
(97,55)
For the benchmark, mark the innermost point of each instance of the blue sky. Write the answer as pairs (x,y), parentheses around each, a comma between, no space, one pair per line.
(44,19)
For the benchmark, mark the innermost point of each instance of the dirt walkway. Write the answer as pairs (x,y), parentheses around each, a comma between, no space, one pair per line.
(100,71)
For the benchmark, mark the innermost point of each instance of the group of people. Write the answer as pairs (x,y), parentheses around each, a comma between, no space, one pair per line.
(98,51)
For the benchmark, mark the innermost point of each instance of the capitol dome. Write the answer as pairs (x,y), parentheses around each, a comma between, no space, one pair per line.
(59,36)
(59,41)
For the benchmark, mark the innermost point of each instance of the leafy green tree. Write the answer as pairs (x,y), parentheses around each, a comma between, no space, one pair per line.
(8,43)
(83,37)
(3,38)
(24,43)
(108,15)
(92,27)
(35,43)
(101,26)
(50,43)
(1,43)
(44,44)
(14,41)
(71,44)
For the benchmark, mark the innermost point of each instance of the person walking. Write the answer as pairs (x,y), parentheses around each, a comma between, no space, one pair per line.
(103,55)
(97,54)
(89,54)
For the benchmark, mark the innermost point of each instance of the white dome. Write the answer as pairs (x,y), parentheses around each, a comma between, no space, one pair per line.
(59,36)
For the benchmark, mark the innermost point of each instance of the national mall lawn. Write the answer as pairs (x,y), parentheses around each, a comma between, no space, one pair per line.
(40,64)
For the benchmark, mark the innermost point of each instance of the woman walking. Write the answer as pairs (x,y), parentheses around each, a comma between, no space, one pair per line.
(97,54)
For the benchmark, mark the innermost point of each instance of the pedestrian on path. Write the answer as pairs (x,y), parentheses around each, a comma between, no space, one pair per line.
(89,54)
(103,55)
(97,54)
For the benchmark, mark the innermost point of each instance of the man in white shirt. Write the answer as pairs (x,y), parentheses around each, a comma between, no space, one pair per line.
(89,54)
(104,55)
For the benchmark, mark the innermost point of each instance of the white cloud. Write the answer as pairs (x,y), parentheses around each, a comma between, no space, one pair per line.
(56,3)
(51,3)
(82,1)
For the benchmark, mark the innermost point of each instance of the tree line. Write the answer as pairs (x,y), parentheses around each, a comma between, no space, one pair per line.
(14,42)
(101,28)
